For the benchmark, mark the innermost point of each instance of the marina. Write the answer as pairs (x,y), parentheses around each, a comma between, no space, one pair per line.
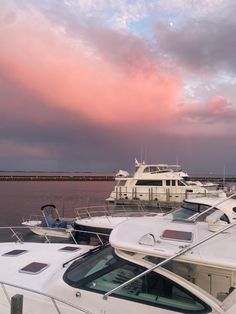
(117,157)
(172,263)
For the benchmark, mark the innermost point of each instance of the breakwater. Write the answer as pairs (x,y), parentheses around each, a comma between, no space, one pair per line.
(43,177)
(91,177)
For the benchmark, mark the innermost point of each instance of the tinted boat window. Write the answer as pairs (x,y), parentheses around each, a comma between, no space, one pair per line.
(104,271)
(149,182)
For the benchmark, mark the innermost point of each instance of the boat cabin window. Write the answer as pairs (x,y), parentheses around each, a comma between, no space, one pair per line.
(149,182)
(170,183)
(104,270)
(180,183)
(121,182)
(146,170)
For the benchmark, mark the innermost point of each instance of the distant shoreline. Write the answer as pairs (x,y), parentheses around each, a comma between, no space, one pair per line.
(51,177)
(89,177)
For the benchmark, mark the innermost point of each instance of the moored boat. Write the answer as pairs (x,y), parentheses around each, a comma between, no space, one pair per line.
(50,223)
(101,220)
(154,265)
(157,185)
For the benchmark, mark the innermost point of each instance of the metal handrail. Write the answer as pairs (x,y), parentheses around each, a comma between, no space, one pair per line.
(181,252)
(21,240)
(93,211)
(51,297)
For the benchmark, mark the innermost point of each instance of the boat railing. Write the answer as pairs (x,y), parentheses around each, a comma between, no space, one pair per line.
(182,251)
(21,234)
(55,301)
(167,195)
(117,211)
(33,217)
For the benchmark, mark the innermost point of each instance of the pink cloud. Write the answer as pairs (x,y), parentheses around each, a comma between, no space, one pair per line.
(71,74)
(215,117)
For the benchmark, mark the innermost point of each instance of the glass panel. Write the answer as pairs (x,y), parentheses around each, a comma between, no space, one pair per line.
(33,268)
(80,270)
(69,249)
(183,213)
(151,289)
(192,206)
(14,252)
(149,182)
(121,182)
(177,235)
(103,271)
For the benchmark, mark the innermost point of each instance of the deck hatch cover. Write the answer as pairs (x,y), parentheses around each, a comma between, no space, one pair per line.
(177,235)
(14,253)
(69,249)
(34,268)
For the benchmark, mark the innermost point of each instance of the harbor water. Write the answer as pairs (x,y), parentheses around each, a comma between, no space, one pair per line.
(20,200)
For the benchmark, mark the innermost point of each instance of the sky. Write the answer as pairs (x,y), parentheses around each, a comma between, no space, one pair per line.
(90,85)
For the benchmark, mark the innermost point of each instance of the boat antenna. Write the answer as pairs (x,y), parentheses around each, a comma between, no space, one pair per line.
(141,153)
(224,177)
(176,160)
(181,252)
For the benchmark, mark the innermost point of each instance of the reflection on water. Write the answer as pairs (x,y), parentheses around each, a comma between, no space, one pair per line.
(22,199)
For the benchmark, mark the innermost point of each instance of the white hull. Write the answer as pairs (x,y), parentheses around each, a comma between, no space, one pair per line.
(47,292)
(34,226)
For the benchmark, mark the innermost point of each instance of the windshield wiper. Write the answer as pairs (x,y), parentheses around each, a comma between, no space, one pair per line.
(88,253)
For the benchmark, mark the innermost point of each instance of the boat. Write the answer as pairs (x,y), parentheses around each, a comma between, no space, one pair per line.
(151,265)
(101,220)
(157,185)
(49,224)
(92,222)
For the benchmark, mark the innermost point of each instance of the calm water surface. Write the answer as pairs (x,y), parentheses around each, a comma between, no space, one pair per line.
(22,199)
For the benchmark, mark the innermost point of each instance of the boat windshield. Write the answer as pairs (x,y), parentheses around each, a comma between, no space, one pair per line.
(103,271)
(189,209)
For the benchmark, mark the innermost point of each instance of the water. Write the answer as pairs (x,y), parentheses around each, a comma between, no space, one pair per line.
(22,199)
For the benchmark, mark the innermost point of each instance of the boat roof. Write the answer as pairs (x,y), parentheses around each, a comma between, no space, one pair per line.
(216,201)
(16,261)
(164,237)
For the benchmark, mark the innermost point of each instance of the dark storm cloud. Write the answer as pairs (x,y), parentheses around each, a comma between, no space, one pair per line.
(203,44)
(72,141)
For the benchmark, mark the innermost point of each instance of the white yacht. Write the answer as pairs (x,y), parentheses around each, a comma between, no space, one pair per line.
(152,265)
(100,220)
(157,184)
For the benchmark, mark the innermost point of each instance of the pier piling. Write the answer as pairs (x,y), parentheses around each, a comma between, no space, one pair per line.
(17,304)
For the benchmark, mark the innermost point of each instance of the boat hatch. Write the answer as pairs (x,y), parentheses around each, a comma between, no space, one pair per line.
(69,249)
(177,235)
(34,268)
(14,253)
